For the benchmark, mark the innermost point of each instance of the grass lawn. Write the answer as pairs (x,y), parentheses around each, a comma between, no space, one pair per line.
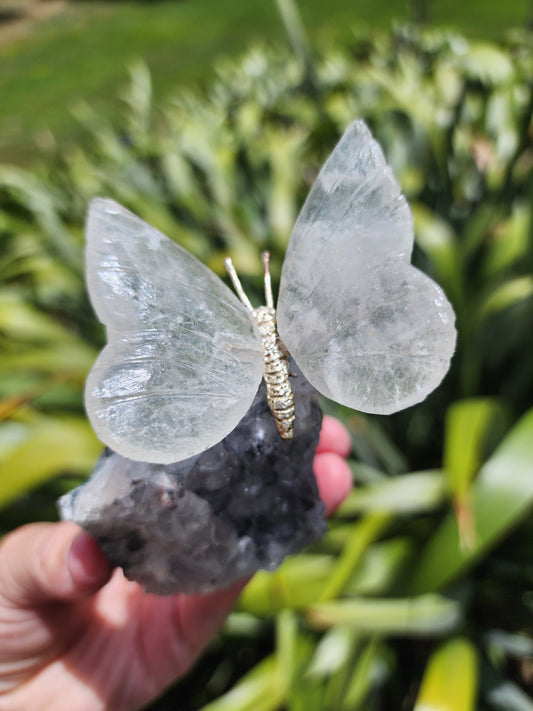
(84,51)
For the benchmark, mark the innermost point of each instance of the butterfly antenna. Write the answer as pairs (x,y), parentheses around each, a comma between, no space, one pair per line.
(268,282)
(237,284)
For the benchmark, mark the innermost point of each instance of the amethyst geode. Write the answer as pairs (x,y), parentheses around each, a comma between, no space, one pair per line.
(221,515)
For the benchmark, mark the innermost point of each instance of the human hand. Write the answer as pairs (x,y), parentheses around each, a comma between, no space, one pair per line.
(76,637)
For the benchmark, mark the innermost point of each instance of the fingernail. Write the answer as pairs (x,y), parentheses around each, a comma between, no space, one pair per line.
(86,563)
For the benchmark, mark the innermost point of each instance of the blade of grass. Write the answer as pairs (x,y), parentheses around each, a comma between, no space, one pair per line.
(450,678)
(500,498)
(256,691)
(407,493)
(363,533)
(286,640)
(417,616)
(369,672)
(467,424)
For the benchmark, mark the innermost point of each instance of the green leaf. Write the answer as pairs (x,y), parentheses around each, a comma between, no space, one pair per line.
(500,498)
(450,679)
(504,695)
(50,447)
(297,582)
(363,533)
(418,616)
(44,202)
(381,566)
(511,242)
(467,425)
(256,691)
(370,442)
(295,30)
(332,652)
(392,460)
(286,640)
(506,295)
(501,643)
(405,493)
(437,240)
(285,152)
(64,360)
(364,473)
(369,672)
(20,320)
(340,651)
(487,62)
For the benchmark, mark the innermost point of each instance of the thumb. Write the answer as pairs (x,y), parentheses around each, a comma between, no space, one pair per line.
(42,562)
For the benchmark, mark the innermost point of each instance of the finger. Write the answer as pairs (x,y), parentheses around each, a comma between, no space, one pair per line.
(334,479)
(41,562)
(334,437)
(199,617)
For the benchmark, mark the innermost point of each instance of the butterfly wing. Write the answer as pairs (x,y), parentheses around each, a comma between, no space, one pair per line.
(366,328)
(184,359)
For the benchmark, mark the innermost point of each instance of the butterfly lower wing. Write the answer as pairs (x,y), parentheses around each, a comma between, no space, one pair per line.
(366,328)
(183,360)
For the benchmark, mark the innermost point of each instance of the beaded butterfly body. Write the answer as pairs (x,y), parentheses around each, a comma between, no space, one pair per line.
(184,357)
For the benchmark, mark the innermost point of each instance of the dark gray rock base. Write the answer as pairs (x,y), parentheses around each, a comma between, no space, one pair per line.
(204,522)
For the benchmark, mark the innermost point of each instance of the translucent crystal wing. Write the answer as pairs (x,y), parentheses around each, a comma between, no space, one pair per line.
(366,328)
(183,360)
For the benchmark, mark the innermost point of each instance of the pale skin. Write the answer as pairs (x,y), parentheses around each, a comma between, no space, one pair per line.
(77,636)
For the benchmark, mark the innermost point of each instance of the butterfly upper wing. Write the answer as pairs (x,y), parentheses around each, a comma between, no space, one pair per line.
(184,359)
(366,328)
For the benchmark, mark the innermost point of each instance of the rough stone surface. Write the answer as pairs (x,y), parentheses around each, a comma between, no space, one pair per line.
(204,522)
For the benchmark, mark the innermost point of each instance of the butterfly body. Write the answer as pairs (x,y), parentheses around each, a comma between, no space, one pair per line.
(280,397)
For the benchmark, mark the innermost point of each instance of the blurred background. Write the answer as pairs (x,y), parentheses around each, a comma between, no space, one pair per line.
(210,120)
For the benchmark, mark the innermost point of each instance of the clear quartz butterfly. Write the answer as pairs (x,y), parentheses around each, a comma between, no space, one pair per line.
(185,358)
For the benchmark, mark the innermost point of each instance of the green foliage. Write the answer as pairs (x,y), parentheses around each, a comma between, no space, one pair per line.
(82,49)
(436,532)
(450,678)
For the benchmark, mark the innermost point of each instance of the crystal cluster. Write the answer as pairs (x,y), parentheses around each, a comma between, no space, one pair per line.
(221,515)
